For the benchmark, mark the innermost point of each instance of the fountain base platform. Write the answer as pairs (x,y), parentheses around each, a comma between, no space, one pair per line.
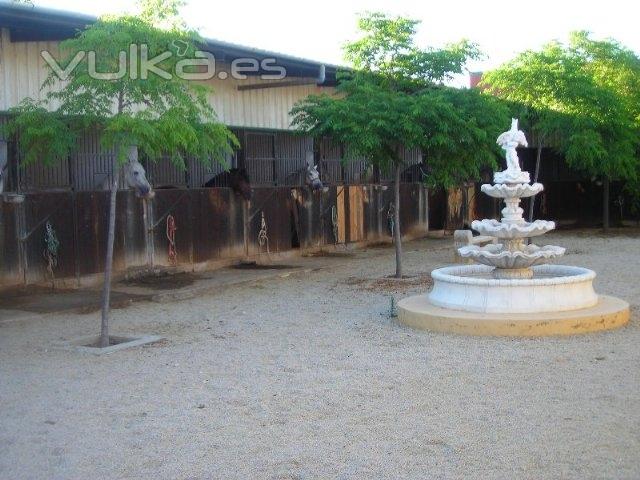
(608,313)
(549,288)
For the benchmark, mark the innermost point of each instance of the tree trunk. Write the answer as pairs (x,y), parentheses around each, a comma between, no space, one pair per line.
(536,175)
(106,288)
(396,221)
(605,204)
(111,234)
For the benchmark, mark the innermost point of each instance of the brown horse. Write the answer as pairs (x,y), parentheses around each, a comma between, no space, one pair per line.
(236,178)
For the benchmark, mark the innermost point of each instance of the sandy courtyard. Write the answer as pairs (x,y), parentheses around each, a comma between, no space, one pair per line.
(308,377)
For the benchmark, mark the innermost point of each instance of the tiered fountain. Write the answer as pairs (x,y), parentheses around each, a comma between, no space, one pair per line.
(512,292)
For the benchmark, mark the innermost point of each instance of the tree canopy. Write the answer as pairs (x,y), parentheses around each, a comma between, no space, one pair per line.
(586,95)
(126,75)
(133,102)
(394,99)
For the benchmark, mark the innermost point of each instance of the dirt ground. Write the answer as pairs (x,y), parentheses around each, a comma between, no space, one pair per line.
(308,377)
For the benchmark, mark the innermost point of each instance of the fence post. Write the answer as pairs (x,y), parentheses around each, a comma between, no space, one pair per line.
(147,215)
(21,230)
(425,192)
(148,222)
(76,235)
(18,211)
(245,226)
(381,212)
(4,164)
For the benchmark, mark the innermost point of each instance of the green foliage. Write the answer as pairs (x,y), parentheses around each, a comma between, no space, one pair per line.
(586,94)
(161,114)
(163,14)
(370,120)
(394,99)
(612,66)
(460,128)
(43,136)
(387,48)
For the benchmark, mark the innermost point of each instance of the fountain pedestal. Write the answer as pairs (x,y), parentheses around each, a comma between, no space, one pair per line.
(417,312)
(513,291)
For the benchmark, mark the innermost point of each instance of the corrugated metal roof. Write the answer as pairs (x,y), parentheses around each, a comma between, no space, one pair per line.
(30,23)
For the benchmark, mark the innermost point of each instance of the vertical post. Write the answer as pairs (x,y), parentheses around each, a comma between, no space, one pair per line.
(108,266)
(605,203)
(21,227)
(425,191)
(464,210)
(274,169)
(532,200)
(321,237)
(148,221)
(380,212)
(4,164)
(346,196)
(245,228)
(19,211)
(106,288)
(421,208)
(192,221)
(76,236)
(396,228)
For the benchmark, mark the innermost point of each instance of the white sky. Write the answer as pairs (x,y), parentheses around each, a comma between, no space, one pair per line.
(317,30)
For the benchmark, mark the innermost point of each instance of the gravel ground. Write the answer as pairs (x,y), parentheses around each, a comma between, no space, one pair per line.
(308,377)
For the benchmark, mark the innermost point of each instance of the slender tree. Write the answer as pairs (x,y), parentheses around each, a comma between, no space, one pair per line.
(394,99)
(154,108)
(586,95)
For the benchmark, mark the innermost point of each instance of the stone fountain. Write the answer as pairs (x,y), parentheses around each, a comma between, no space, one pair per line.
(512,291)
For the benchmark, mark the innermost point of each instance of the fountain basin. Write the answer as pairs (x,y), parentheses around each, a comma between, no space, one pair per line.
(495,255)
(553,288)
(511,177)
(518,190)
(497,229)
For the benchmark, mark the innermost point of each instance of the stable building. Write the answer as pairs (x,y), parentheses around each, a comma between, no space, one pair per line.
(214,226)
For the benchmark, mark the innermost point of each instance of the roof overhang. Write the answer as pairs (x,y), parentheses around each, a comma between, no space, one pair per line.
(30,24)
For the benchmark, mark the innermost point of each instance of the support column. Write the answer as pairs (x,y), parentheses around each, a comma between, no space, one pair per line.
(4,164)
(21,230)
(148,220)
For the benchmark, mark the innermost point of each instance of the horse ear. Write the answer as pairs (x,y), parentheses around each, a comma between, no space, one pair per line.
(132,154)
(309,158)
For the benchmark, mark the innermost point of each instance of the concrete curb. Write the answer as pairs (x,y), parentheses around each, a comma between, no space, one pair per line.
(80,344)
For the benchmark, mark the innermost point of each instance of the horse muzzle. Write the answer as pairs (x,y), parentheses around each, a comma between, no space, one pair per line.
(145,192)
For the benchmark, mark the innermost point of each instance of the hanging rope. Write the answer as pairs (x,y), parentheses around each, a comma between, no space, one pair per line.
(391,219)
(263,239)
(52,245)
(334,224)
(172,253)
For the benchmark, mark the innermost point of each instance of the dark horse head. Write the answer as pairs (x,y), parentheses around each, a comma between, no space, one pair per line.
(236,178)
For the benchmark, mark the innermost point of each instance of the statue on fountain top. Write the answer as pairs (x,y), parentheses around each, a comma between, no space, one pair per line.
(509,141)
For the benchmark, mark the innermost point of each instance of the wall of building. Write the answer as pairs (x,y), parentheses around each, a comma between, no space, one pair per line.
(213,225)
(23,70)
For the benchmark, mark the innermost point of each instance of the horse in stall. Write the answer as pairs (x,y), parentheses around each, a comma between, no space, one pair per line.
(312,177)
(135,176)
(235,178)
